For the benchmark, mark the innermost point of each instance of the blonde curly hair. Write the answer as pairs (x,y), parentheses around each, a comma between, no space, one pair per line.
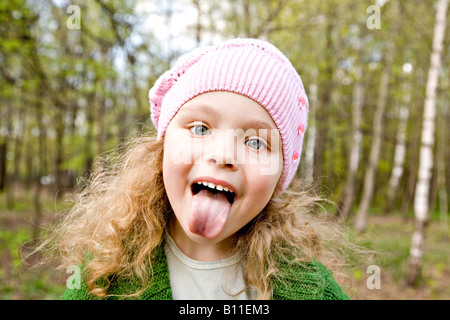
(120,216)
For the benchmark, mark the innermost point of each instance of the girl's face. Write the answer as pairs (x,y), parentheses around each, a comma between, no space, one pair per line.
(222,162)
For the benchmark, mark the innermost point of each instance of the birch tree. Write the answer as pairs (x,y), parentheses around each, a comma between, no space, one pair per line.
(355,150)
(421,204)
(399,152)
(369,177)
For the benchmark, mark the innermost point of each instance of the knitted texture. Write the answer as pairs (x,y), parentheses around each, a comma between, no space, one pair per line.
(313,281)
(253,68)
(159,288)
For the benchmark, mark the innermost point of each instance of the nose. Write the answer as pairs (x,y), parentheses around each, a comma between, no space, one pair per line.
(227,164)
(222,151)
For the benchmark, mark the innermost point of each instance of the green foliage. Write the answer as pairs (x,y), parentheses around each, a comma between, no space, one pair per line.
(68,95)
(17,281)
(390,238)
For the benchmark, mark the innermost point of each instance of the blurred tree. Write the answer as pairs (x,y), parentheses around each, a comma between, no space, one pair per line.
(378,127)
(421,202)
(399,153)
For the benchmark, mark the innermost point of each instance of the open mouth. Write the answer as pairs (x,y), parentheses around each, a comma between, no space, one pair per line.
(213,188)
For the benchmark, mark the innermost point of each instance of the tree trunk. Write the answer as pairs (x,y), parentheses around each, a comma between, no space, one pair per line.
(39,159)
(399,159)
(18,143)
(377,135)
(3,150)
(442,183)
(198,25)
(326,87)
(100,139)
(421,204)
(88,156)
(413,150)
(248,19)
(349,190)
(9,179)
(59,151)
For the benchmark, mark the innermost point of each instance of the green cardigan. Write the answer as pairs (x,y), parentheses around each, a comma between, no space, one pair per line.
(310,282)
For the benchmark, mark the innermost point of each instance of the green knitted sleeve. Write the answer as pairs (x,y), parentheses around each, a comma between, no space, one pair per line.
(159,288)
(331,289)
(310,281)
(116,288)
(77,294)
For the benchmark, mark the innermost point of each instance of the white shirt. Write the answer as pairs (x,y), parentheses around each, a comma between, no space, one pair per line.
(205,280)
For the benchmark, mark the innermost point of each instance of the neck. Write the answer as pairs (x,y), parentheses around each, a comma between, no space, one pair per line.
(199,248)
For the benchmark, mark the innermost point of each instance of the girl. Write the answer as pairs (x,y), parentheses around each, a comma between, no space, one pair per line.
(202,211)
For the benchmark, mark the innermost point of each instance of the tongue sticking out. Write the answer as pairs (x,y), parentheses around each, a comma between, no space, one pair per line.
(209,212)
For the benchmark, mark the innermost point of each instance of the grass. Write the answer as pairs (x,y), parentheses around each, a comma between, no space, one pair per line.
(17,280)
(20,280)
(389,235)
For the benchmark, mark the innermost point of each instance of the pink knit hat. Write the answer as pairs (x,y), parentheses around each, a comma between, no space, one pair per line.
(253,68)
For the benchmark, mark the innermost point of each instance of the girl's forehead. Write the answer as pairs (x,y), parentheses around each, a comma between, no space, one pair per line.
(228,106)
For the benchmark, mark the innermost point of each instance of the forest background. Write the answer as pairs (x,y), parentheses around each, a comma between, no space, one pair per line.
(74,79)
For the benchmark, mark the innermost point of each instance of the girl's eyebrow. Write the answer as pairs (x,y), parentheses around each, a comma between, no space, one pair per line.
(205,109)
(201,108)
(257,124)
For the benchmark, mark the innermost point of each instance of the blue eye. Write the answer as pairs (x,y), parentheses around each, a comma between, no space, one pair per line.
(254,144)
(200,130)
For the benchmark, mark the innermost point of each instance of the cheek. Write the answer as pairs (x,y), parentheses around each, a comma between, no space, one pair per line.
(177,146)
(169,174)
(260,187)
(265,176)
(263,188)
(175,165)
(259,192)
